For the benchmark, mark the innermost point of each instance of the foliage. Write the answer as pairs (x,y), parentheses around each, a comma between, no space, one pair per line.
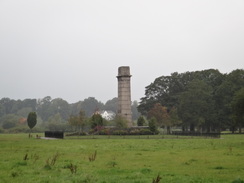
(96,120)
(153,125)
(140,121)
(119,132)
(111,105)
(90,105)
(9,121)
(31,119)
(238,108)
(52,113)
(78,121)
(196,104)
(161,115)
(120,122)
(174,117)
(8,125)
(200,99)
(127,131)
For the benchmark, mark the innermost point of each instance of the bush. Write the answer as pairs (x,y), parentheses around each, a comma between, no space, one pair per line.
(134,132)
(145,132)
(23,129)
(140,121)
(119,132)
(104,132)
(18,129)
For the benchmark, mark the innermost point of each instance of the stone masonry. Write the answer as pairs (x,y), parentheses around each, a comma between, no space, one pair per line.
(124,94)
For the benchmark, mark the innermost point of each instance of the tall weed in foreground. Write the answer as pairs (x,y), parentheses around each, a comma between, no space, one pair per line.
(92,157)
(157,179)
(51,161)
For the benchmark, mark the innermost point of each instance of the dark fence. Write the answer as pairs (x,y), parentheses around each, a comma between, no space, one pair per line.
(54,134)
(212,135)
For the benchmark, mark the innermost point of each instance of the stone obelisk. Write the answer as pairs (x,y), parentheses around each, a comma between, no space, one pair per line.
(124,94)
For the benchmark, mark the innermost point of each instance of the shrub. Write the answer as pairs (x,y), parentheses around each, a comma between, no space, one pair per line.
(153,125)
(145,132)
(119,132)
(104,132)
(140,121)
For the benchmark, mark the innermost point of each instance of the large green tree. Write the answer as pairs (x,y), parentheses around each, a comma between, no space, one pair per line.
(196,105)
(238,109)
(223,96)
(170,92)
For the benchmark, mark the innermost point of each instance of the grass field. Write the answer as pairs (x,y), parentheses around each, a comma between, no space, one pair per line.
(121,160)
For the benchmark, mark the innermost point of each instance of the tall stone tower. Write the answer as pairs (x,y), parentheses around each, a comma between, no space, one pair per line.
(124,94)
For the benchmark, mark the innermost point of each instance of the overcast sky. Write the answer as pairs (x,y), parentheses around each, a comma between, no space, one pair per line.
(72,48)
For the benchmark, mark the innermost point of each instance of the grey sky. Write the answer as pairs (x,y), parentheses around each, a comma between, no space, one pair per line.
(72,49)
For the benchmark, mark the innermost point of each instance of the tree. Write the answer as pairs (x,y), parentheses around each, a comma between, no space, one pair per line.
(7,103)
(96,120)
(223,96)
(174,118)
(90,105)
(43,108)
(2,110)
(111,105)
(165,90)
(32,119)
(140,121)
(160,113)
(238,109)
(9,121)
(195,108)
(24,111)
(153,125)
(78,121)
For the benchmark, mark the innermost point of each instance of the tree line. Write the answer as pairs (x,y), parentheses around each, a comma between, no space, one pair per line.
(204,101)
(52,114)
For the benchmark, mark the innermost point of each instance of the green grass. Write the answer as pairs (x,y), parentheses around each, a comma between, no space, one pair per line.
(121,160)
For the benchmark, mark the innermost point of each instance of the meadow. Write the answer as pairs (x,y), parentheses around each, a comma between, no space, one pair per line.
(121,160)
